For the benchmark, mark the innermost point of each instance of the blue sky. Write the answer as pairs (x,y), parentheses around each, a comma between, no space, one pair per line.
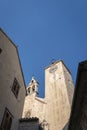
(44,30)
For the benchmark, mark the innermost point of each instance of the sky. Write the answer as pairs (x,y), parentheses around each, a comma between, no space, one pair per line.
(44,30)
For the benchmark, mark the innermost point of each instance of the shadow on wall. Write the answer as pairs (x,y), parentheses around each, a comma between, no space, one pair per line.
(1,128)
(66,126)
(78,117)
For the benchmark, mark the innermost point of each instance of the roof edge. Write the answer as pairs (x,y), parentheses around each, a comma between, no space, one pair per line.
(17,54)
(40,99)
(33,119)
(57,62)
(7,37)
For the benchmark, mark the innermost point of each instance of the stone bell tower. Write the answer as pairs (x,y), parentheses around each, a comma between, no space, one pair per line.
(32,88)
(34,106)
(58,95)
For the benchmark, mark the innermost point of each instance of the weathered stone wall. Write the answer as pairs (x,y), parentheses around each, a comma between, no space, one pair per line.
(9,69)
(56,106)
(58,103)
(34,107)
(69,84)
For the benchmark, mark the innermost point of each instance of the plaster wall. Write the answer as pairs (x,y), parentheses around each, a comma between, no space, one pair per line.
(9,69)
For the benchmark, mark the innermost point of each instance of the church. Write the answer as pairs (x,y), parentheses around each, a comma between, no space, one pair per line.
(20,107)
(55,107)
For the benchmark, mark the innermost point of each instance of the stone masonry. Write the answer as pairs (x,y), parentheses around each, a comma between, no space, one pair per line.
(51,112)
(56,106)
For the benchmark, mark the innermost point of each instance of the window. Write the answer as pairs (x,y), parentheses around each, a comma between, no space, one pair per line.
(29,90)
(7,120)
(33,88)
(15,87)
(32,81)
(0,50)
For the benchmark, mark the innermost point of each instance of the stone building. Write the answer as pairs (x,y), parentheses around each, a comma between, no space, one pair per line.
(21,108)
(55,108)
(33,106)
(12,85)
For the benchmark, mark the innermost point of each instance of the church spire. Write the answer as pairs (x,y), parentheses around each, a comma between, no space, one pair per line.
(33,87)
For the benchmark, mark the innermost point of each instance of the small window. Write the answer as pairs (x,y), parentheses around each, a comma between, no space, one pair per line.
(33,88)
(29,90)
(32,81)
(15,87)
(0,50)
(7,120)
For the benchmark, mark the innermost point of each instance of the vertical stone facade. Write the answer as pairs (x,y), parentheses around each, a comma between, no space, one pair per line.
(58,95)
(10,69)
(53,111)
(33,106)
(55,108)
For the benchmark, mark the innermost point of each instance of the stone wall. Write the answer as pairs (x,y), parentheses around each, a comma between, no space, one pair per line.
(34,107)
(56,95)
(9,69)
(55,108)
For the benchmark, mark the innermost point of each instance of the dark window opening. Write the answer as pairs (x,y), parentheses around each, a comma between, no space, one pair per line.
(0,50)
(29,90)
(33,88)
(15,87)
(32,81)
(7,120)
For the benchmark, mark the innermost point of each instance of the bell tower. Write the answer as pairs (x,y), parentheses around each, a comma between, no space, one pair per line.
(32,88)
(58,95)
